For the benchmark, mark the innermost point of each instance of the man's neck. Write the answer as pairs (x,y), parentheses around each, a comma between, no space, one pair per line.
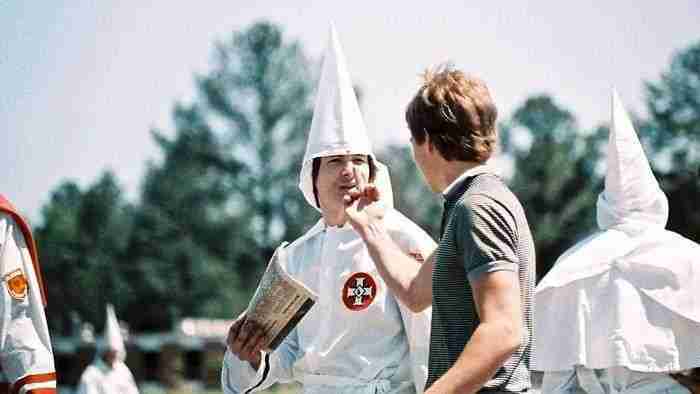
(452,170)
(334,220)
(106,363)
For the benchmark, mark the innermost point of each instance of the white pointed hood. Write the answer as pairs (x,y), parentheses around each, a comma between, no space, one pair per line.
(632,199)
(337,127)
(626,295)
(113,334)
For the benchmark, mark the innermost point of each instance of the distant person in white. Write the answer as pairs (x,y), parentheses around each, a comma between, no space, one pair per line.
(108,374)
(620,310)
(357,338)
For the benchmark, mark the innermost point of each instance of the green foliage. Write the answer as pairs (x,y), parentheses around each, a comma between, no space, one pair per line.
(673,134)
(225,193)
(259,92)
(212,209)
(673,103)
(412,196)
(554,177)
(83,239)
(182,240)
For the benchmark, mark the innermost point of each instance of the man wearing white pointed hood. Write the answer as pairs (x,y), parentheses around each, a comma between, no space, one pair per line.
(108,374)
(357,338)
(620,310)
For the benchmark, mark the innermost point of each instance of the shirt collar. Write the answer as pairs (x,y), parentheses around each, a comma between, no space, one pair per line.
(479,169)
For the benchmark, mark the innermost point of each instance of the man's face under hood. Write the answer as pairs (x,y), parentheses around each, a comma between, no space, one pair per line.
(110,357)
(335,179)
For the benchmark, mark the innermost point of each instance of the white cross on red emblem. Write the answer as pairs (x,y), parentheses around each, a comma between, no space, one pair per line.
(359,291)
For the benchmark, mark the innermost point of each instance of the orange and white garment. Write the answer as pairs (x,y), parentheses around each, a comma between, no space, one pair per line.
(26,358)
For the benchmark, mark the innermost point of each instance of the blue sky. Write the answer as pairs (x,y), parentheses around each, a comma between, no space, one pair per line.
(83,82)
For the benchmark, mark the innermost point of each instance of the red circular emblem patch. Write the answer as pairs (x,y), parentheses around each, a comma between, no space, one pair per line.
(359,291)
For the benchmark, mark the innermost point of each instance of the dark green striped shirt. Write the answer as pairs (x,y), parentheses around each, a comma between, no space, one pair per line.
(485,230)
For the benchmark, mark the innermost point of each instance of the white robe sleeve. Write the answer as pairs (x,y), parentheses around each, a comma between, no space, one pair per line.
(416,242)
(417,327)
(25,348)
(238,377)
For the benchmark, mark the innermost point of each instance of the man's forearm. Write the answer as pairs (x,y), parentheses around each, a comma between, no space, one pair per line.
(487,350)
(400,272)
(498,335)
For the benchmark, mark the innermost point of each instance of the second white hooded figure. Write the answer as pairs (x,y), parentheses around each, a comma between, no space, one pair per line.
(108,374)
(620,310)
(357,338)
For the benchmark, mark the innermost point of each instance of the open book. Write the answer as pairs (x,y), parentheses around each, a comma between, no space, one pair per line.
(279,302)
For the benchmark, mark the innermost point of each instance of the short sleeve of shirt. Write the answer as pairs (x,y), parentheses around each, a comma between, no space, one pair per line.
(486,236)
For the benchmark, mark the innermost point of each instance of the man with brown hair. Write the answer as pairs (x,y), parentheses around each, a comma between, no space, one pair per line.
(480,279)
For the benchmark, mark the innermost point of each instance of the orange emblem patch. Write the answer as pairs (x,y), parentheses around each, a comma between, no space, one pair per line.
(16,284)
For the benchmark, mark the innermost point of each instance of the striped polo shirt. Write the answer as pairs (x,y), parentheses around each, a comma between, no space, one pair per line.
(484,230)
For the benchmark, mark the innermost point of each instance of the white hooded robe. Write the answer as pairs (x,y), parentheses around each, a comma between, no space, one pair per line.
(624,301)
(98,377)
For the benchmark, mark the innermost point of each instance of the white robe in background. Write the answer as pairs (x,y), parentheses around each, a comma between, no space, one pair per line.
(620,310)
(622,300)
(98,378)
(380,349)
